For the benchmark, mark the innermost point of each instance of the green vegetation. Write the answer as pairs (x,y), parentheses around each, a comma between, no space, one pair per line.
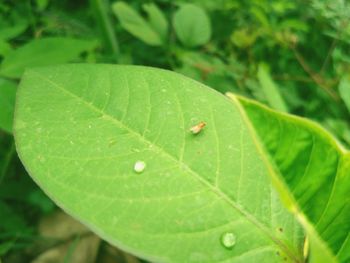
(112,145)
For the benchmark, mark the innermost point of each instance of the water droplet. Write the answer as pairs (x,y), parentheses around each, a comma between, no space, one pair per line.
(90,126)
(228,240)
(163,90)
(139,166)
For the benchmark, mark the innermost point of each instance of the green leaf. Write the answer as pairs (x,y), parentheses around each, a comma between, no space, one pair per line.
(206,197)
(136,25)
(6,246)
(313,174)
(5,48)
(103,19)
(7,152)
(244,38)
(192,25)
(344,91)
(38,199)
(8,32)
(7,104)
(42,52)
(270,89)
(11,222)
(157,20)
(42,4)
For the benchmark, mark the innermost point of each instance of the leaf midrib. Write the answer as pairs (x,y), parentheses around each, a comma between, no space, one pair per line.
(216,190)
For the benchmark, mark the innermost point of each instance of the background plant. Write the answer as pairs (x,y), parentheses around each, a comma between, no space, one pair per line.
(292,56)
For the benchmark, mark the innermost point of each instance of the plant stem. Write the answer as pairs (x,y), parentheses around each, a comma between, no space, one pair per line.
(71,249)
(313,75)
(7,160)
(31,15)
(292,78)
(102,17)
(329,54)
(333,46)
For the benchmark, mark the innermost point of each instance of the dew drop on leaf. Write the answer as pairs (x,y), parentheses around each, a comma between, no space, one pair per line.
(139,166)
(228,240)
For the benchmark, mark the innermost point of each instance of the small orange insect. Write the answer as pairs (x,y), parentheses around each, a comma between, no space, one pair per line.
(198,127)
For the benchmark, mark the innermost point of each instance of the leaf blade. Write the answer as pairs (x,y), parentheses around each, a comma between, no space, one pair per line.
(270,89)
(42,52)
(317,187)
(157,20)
(175,189)
(192,25)
(135,24)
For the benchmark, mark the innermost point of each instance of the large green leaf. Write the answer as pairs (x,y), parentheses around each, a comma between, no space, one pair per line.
(136,25)
(192,25)
(80,129)
(42,52)
(270,89)
(316,177)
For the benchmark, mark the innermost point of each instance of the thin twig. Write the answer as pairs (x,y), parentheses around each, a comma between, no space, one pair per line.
(329,54)
(7,160)
(313,75)
(61,242)
(102,16)
(333,45)
(292,78)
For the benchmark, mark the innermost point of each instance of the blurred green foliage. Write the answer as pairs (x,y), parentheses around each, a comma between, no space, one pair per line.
(291,55)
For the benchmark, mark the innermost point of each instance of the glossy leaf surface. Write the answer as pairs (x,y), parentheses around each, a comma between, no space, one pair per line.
(82,131)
